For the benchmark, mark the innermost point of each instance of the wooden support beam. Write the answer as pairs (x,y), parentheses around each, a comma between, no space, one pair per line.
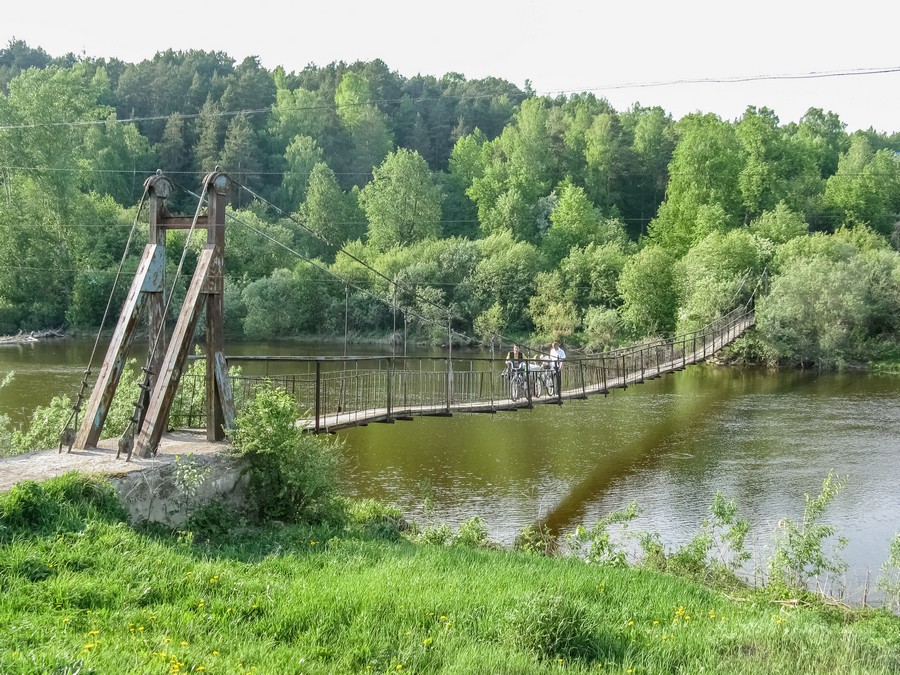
(157,414)
(147,279)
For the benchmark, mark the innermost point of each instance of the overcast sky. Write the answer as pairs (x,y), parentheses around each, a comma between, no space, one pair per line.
(561,46)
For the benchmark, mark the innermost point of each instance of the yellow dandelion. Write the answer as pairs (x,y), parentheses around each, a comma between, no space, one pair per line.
(199,669)
(184,644)
(167,640)
(427,641)
(215,653)
(94,632)
(399,666)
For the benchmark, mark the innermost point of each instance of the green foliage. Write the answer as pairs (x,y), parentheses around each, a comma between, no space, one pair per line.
(889,581)
(294,475)
(535,539)
(800,553)
(597,545)
(554,626)
(648,292)
(551,308)
(715,555)
(602,328)
(472,534)
(402,203)
(63,504)
(815,313)
(212,522)
(46,424)
(779,225)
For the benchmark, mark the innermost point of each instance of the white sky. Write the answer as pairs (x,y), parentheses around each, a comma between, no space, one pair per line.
(560,46)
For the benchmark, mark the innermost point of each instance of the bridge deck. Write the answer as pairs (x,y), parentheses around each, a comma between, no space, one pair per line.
(576,385)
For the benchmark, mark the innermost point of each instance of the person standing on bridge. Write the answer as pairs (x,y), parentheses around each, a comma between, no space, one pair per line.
(516,359)
(557,356)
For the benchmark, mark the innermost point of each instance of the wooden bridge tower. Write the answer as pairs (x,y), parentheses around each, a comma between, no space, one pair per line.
(168,356)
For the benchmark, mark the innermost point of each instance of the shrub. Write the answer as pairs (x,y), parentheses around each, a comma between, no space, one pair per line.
(553,626)
(597,545)
(65,503)
(889,582)
(473,534)
(293,474)
(534,539)
(799,549)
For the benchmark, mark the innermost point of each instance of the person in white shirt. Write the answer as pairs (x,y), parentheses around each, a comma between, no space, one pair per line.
(557,355)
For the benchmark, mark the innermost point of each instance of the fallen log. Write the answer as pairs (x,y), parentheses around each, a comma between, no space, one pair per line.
(32,336)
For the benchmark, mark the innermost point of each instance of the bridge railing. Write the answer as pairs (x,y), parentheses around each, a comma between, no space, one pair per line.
(337,392)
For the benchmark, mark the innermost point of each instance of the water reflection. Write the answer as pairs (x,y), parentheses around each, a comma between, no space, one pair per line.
(670,444)
(764,439)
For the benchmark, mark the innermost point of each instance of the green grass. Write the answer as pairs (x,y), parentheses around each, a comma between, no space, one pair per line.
(81,591)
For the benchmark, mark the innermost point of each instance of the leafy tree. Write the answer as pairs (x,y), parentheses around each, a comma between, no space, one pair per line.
(402,203)
(241,158)
(576,223)
(300,157)
(505,274)
(814,312)
(761,179)
(172,148)
(704,172)
(250,253)
(652,146)
(717,274)
(602,328)
(608,158)
(591,273)
(779,225)
(330,213)
(648,292)
(866,186)
(210,136)
(551,308)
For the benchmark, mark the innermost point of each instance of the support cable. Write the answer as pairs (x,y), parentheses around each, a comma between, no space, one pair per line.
(126,443)
(67,436)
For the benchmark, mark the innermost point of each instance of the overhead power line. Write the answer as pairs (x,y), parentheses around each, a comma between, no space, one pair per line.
(851,72)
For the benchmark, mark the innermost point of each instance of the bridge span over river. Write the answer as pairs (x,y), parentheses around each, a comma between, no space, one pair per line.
(341,392)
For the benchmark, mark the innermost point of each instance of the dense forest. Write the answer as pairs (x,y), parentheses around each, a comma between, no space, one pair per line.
(361,196)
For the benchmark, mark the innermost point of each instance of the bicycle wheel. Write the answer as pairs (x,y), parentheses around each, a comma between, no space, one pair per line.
(550,384)
(537,387)
(514,387)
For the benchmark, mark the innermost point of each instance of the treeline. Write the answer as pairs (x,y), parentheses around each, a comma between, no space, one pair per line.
(422,201)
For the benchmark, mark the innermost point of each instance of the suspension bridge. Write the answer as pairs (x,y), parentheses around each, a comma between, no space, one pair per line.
(334,392)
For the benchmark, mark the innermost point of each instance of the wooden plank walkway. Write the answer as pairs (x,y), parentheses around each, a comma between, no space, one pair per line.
(335,421)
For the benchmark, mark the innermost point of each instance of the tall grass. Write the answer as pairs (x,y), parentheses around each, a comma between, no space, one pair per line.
(81,591)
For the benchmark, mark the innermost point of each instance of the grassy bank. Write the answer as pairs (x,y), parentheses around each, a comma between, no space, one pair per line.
(84,592)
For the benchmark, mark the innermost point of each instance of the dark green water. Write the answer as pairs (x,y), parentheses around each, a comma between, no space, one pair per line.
(762,438)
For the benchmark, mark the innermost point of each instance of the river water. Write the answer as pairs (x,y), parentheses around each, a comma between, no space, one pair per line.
(762,438)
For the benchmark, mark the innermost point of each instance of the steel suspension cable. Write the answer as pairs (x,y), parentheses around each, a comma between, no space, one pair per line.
(67,436)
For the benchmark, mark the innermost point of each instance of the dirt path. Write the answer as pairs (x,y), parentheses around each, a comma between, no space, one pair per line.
(49,463)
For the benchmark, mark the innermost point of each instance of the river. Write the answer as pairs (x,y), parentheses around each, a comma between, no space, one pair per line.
(762,438)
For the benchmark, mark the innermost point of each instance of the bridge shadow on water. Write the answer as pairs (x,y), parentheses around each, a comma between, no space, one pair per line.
(648,451)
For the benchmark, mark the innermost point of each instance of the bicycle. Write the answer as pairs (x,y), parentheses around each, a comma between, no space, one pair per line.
(545,380)
(517,381)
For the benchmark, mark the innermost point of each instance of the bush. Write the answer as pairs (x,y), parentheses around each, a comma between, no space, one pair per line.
(293,474)
(65,503)
(553,626)
(534,539)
